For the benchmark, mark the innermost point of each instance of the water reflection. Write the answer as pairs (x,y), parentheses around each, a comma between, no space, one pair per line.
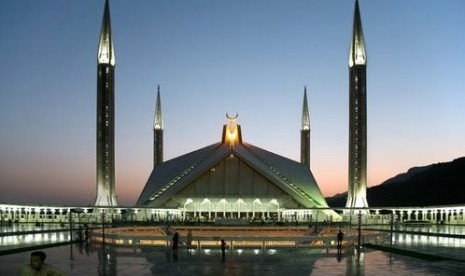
(79,260)
(82,259)
(107,257)
(21,240)
(355,263)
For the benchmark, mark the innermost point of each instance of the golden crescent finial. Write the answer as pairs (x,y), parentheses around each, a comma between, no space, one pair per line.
(232,118)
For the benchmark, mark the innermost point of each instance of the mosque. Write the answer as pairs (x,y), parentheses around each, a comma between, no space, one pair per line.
(232,179)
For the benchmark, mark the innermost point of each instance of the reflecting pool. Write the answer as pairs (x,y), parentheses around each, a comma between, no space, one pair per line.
(81,259)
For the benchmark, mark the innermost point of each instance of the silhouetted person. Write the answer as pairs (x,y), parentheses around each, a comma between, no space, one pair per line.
(37,266)
(223,249)
(86,233)
(80,234)
(340,237)
(174,246)
(189,239)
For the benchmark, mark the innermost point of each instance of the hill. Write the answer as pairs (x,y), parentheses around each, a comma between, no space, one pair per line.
(436,184)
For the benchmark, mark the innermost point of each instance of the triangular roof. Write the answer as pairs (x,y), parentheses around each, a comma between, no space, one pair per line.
(172,176)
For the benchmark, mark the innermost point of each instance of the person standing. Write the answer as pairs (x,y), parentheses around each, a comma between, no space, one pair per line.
(223,249)
(175,243)
(86,233)
(340,237)
(189,239)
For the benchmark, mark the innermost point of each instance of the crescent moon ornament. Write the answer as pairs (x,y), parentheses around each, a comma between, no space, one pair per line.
(232,118)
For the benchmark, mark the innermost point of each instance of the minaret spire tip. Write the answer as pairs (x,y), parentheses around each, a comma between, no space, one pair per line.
(357,45)
(305,133)
(305,112)
(157,132)
(158,119)
(106,52)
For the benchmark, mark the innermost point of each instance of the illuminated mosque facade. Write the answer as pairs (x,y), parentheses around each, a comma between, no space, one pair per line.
(232,178)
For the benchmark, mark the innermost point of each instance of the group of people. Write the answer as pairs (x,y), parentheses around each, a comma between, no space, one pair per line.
(175,244)
(37,265)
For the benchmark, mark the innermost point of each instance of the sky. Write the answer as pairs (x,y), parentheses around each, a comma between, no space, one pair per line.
(212,57)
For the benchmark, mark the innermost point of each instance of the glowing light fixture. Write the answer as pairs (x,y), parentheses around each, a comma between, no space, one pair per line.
(232,135)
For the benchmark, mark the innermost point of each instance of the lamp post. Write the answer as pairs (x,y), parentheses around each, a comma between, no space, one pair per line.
(103,228)
(359,228)
(70,217)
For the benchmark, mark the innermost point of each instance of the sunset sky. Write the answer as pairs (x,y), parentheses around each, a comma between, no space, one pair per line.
(212,57)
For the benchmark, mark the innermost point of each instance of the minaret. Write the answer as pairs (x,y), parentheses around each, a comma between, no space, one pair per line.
(357,117)
(157,133)
(106,195)
(305,133)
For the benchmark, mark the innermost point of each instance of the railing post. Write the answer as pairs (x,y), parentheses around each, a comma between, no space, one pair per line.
(392,226)
(70,225)
(359,228)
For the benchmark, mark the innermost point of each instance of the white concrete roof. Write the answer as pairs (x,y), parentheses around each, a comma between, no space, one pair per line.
(173,175)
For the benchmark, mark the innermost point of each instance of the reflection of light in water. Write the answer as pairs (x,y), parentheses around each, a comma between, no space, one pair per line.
(408,239)
(422,242)
(34,238)
(256,251)
(239,251)
(271,251)
(207,251)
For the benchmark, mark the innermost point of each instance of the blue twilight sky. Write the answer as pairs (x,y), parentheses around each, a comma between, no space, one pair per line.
(210,57)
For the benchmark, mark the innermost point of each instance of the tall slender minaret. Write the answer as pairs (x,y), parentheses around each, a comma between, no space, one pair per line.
(357,117)
(158,132)
(305,133)
(106,195)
